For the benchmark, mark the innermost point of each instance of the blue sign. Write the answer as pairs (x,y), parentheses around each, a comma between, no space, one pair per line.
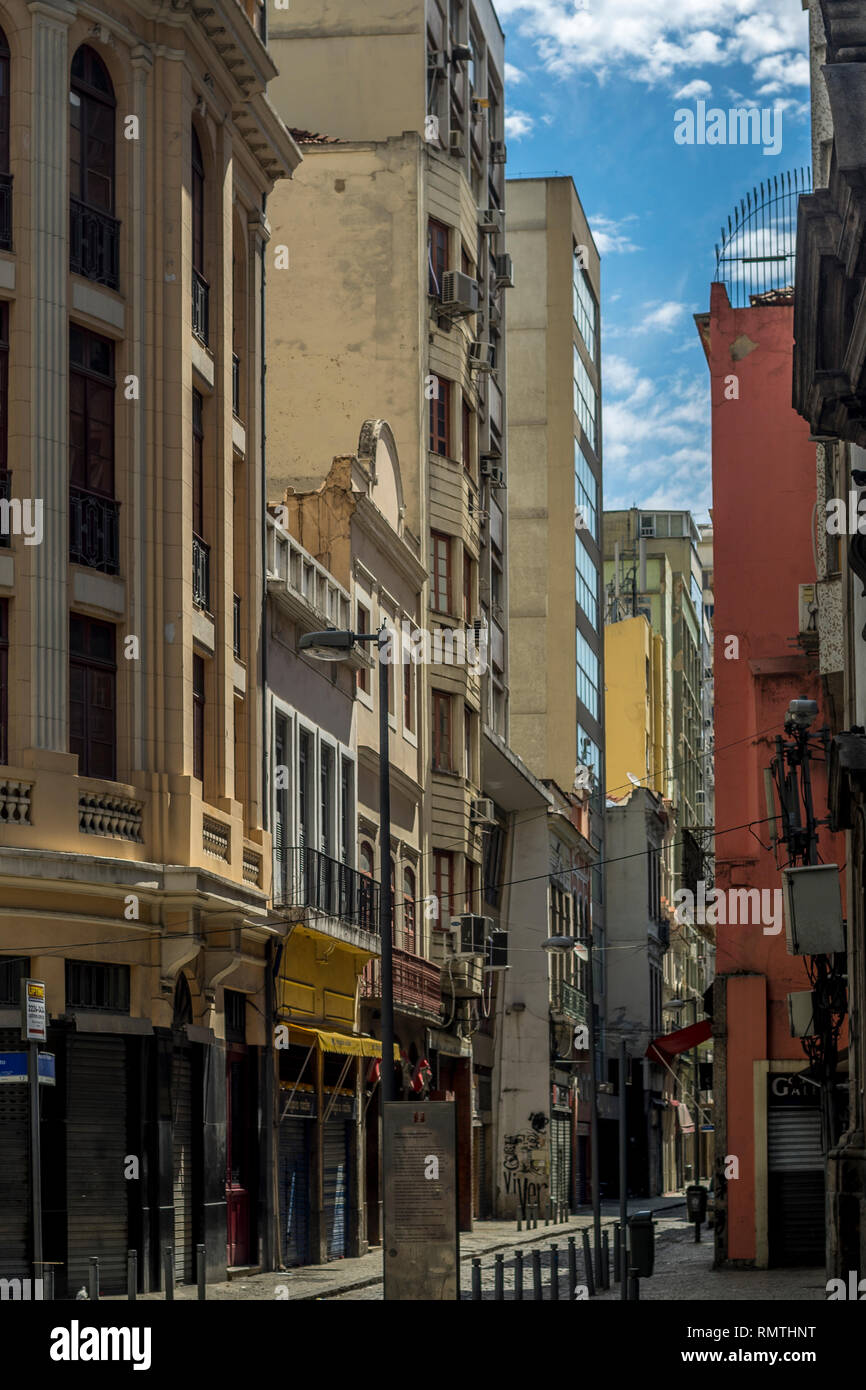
(13,1067)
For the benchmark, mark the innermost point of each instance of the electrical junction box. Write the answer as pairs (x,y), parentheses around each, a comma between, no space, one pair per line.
(801,1013)
(813,910)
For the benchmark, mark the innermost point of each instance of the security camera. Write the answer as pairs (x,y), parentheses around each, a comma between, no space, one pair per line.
(801,714)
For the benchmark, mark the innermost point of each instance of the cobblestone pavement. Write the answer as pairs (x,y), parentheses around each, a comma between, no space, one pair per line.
(362,1278)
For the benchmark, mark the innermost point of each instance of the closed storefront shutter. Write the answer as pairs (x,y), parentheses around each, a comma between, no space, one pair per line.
(795,1160)
(182,1167)
(95,1149)
(336,1188)
(560,1159)
(14,1171)
(294,1185)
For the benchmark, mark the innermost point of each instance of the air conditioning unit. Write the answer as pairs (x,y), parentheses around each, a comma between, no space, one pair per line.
(461,53)
(490,220)
(481,357)
(497,951)
(498,153)
(497,477)
(505,272)
(455,143)
(494,315)
(801,1013)
(473,934)
(437,62)
(459,293)
(483,812)
(813,910)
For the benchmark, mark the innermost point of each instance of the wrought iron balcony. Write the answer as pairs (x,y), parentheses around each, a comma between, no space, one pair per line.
(237,624)
(94,244)
(200,573)
(236,385)
(5,212)
(566,1000)
(5,494)
(416,983)
(94,530)
(200,307)
(307,878)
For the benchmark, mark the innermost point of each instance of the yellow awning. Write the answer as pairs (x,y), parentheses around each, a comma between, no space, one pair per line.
(346,1044)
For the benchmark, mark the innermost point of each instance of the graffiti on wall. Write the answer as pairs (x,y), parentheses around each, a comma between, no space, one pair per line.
(526,1165)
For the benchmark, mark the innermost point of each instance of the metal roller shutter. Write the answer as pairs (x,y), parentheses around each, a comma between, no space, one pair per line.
(294,1184)
(795,1160)
(14,1171)
(181,1157)
(560,1159)
(95,1149)
(336,1188)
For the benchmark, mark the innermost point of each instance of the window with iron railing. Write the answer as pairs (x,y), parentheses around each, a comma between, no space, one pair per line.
(93,510)
(92,696)
(200,287)
(237,624)
(94,231)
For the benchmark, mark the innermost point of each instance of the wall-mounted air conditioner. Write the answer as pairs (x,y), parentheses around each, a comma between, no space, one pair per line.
(505,271)
(437,62)
(490,220)
(482,357)
(498,152)
(459,293)
(483,812)
(455,143)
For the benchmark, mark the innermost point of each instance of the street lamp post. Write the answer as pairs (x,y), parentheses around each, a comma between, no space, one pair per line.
(335,645)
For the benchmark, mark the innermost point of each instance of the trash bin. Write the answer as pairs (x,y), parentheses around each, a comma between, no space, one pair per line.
(641,1241)
(696,1202)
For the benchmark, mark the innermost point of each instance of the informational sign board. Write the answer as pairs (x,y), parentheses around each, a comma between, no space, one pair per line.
(13,1068)
(34,1022)
(419,1180)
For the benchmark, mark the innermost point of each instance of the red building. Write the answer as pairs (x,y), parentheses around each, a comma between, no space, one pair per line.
(769,1143)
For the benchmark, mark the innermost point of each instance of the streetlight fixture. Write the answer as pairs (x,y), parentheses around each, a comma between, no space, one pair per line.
(336,645)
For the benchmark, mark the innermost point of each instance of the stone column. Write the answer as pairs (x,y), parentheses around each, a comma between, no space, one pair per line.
(49,257)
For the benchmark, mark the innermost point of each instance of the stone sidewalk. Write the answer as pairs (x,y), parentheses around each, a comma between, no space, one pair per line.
(362,1277)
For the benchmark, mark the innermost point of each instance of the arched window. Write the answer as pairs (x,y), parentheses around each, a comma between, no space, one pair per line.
(366,859)
(199,283)
(366,893)
(409,911)
(182,1002)
(94,232)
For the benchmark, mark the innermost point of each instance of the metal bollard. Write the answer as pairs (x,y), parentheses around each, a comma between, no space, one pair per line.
(476,1277)
(499,1278)
(605,1260)
(587,1266)
(633,1285)
(201,1271)
(93,1279)
(518,1275)
(554,1270)
(168,1271)
(617,1259)
(131,1275)
(572,1266)
(537,1292)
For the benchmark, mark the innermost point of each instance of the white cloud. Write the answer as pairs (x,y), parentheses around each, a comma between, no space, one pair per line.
(656,438)
(654,43)
(664,316)
(698,88)
(518,124)
(513,74)
(609,235)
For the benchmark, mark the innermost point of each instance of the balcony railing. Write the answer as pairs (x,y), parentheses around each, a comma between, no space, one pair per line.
(201,573)
(5,494)
(416,982)
(565,999)
(94,530)
(200,307)
(236,385)
(308,878)
(5,212)
(237,625)
(94,244)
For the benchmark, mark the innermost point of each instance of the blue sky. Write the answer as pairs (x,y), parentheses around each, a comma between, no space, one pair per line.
(591,91)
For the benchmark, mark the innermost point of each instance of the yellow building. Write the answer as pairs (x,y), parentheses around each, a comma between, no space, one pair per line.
(634,707)
(134,855)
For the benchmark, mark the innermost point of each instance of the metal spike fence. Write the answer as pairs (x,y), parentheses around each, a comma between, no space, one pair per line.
(757,250)
(562,1270)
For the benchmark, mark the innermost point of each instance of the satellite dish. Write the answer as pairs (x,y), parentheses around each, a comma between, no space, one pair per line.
(635,781)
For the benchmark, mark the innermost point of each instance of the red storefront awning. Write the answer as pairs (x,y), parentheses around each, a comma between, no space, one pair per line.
(662,1049)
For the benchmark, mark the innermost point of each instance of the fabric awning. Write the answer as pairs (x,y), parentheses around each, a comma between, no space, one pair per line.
(346,1044)
(669,1045)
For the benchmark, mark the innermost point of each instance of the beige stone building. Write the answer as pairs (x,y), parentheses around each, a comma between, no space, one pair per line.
(134,855)
(400,214)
